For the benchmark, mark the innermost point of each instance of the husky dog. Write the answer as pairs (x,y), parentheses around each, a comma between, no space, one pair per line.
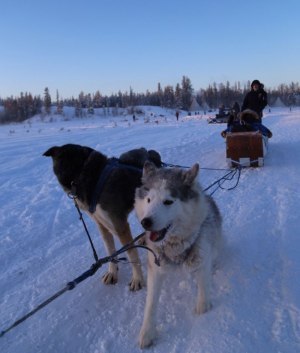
(79,169)
(183,227)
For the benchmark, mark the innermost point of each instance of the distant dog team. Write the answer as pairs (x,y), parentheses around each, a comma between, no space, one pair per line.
(183,225)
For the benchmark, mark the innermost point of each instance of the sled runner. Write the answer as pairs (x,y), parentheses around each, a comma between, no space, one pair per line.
(247,149)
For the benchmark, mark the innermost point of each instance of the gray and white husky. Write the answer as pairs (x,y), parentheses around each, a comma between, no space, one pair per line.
(183,227)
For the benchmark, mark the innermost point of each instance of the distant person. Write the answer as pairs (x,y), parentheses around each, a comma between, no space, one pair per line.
(177,115)
(236,108)
(256,99)
(233,117)
(222,110)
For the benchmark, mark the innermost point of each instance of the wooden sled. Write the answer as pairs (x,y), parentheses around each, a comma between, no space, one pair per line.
(246,149)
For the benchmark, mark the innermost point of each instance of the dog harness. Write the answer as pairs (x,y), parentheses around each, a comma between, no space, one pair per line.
(111,164)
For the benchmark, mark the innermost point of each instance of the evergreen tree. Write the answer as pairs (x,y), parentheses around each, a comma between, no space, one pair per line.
(97,100)
(186,93)
(160,95)
(81,100)
(59,104)
(169,97)
(131,97)
(177,97)
(120,99)
(47,101)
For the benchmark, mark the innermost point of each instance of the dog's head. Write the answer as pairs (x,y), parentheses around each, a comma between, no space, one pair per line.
(163,197)
(68,162)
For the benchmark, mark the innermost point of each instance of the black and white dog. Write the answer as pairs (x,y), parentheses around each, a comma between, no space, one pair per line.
(106,192)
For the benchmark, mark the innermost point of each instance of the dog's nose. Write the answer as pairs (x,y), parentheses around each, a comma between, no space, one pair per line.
(146,222)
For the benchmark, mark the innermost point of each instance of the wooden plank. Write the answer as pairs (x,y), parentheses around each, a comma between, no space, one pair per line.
(245,148)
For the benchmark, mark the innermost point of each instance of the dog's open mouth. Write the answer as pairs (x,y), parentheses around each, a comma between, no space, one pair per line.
(160,234)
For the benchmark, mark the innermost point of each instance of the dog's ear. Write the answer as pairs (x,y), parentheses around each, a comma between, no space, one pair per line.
(149,169)
(52,152)
(191,174)
(155,158)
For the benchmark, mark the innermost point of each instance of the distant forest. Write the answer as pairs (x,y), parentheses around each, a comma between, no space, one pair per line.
(17,109)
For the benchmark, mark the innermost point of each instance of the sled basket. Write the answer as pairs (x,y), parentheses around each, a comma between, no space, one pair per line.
(247,149)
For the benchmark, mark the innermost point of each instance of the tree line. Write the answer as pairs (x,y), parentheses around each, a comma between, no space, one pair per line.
(180,97)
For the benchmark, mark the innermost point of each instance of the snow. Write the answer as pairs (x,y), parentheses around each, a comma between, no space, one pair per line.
(256,292)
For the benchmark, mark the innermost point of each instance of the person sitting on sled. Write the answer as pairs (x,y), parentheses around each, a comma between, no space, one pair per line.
(250,117)
(233,117)
(248,120)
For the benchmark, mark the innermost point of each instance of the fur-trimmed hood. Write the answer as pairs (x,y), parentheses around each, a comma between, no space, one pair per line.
(248,116)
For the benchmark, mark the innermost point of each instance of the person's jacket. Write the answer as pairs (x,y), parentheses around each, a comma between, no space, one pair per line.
(255,100)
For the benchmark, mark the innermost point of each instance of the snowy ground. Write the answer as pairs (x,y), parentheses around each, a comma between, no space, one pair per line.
(256,294)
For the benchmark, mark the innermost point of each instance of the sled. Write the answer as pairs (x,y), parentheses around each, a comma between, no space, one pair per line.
(246,149)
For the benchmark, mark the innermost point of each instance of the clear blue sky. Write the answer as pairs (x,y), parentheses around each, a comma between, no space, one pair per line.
(112,45)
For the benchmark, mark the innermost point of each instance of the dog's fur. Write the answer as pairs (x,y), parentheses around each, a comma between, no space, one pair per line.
(183,227)
(81,166)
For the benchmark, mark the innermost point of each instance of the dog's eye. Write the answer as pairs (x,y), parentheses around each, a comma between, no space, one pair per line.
(148,199)
(168,202)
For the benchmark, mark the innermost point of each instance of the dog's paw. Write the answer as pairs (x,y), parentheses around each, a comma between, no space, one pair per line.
(202,307)
(146,338)
(109,278)
(136,284)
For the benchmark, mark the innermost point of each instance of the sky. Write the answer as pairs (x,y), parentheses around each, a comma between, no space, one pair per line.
(112,45)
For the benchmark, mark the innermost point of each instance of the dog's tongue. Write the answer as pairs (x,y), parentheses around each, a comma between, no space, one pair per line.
(154,236)
(158,235)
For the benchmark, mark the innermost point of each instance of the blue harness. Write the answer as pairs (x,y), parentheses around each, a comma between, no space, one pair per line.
(111,164)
